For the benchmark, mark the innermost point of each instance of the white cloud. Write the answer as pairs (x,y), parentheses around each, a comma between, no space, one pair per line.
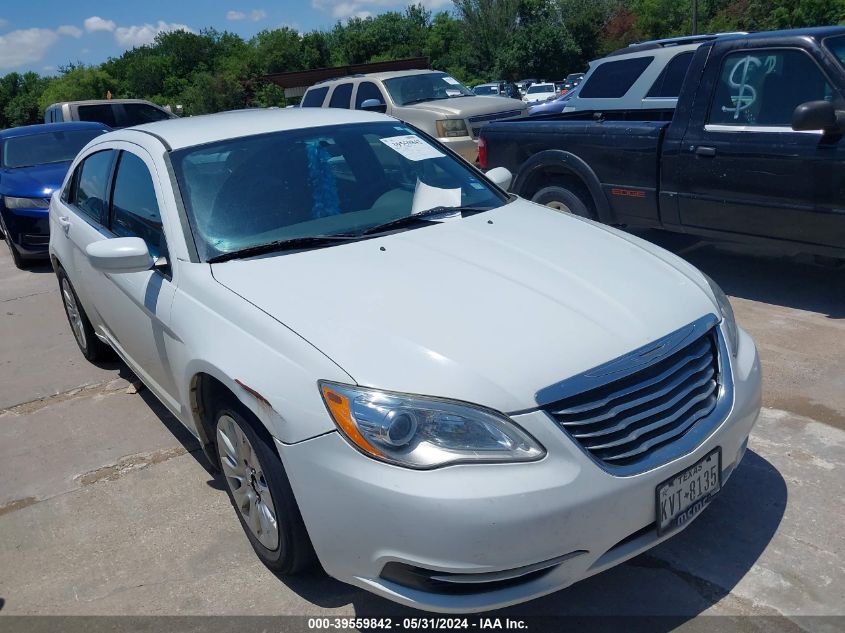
(69,29)
(131,36)
(25,46)
(96,23)
(345,9)
(256,15)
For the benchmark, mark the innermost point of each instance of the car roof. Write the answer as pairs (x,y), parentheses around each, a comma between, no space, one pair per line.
(210,128)
(41,128)
(382,75)
(103,102)
(817,32)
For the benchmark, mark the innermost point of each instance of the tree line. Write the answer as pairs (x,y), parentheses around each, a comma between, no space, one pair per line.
(475,41)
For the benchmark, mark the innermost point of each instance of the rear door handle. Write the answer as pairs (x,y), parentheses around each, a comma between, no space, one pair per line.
(64,222)
(701,150)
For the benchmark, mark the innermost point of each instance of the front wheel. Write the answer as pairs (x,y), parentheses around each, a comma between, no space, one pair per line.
(259,490)
(564,200)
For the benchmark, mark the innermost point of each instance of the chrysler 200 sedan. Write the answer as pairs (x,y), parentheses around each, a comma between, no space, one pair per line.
(452,397)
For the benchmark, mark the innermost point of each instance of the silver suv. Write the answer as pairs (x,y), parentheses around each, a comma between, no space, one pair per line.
(116,113)
(643,76)
(433,101)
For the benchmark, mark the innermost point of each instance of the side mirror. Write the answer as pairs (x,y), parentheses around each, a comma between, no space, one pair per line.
(120,255)
(818,115)
(500,176)
(373,105)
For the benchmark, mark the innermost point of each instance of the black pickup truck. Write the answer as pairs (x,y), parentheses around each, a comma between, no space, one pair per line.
(754,151)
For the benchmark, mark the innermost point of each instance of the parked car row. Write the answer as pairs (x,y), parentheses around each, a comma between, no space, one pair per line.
(485,359)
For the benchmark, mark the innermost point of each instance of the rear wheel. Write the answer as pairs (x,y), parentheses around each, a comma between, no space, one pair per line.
(565,200)
(259,489)
(83,332)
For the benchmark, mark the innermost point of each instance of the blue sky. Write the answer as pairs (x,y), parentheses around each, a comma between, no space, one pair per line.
(42,35)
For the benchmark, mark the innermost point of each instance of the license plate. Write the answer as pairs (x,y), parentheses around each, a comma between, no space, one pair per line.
(681,498)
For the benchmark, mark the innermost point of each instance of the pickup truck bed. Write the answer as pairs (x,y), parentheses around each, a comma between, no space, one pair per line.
(754,150)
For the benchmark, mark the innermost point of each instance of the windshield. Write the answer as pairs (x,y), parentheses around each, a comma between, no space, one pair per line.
(541,88)
(340,179)
(486,90)
(45,147)
(424,87)
(836,45)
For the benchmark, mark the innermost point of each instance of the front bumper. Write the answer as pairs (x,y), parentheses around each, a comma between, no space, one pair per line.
(362,514)
(29,230)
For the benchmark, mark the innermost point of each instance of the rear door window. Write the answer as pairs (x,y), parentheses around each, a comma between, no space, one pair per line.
(91,180)
(612,80)
(341,96)
(668,83)
(314,97)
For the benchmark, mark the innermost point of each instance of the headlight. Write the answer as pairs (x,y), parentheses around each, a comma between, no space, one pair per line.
(26,203)
(727,314)
(451,127)
(421,432)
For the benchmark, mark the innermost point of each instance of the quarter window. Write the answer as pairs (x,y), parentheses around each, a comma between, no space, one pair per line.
(341,96)
(90,183)
(314,97)
(367,90)
(135,211)
(612,80)
(763,87)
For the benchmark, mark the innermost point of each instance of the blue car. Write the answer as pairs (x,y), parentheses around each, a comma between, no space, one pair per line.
(33,162)
(555,106)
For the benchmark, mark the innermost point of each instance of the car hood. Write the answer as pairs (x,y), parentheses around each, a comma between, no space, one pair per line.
(488,309)
(467,106)
(38,181)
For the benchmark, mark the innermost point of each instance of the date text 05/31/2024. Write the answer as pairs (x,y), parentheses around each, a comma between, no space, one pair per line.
(431,623)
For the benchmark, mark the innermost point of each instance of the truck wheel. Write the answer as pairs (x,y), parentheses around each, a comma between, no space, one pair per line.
(564,200)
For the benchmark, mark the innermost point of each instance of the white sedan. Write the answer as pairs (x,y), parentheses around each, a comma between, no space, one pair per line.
(538,93)
(454,398)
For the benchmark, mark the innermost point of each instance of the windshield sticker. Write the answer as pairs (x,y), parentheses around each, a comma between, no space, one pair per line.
(451,80)
(412,147)
(427,197)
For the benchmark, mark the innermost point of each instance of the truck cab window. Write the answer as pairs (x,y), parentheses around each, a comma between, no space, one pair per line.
(763,87)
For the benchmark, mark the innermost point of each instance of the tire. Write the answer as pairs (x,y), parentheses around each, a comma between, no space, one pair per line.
(564,200)
(253,472)
(92,348)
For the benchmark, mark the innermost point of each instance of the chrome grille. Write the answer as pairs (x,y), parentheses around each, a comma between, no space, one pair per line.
(625,419)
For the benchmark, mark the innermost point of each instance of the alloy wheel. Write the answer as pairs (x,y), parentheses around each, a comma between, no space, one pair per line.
(246,481)
(73,314)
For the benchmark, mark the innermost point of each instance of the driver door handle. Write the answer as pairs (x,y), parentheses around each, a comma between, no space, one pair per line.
(702,150)
(64,222)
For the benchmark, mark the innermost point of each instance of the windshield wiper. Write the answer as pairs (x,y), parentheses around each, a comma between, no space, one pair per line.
(309,241)
(413,101)
(422,215)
